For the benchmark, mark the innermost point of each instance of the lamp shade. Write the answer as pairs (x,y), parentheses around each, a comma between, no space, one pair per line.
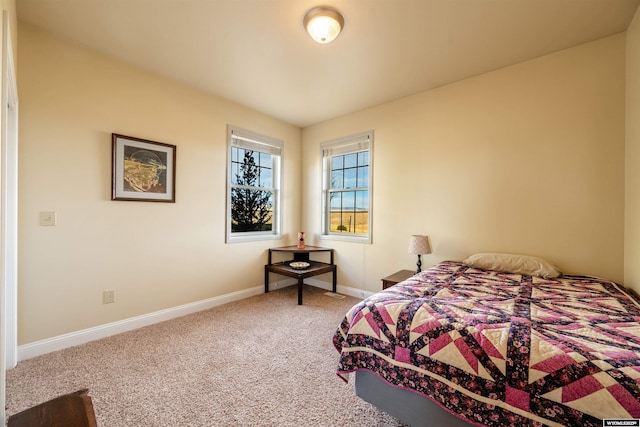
(323,24)
(419,245)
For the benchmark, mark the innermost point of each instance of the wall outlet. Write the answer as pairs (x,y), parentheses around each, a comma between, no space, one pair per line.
(108,297)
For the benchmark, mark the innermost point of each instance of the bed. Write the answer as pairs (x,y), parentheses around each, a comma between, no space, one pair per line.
(495,348)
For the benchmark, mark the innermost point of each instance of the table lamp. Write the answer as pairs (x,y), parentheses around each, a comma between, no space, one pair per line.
(419,245)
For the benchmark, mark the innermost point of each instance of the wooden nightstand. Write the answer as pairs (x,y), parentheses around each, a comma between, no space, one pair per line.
(396,277)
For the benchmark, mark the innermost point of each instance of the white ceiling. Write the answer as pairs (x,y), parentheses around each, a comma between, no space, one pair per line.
(256,52)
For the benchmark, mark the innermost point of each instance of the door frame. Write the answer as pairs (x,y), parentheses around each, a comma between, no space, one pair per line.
(9,199)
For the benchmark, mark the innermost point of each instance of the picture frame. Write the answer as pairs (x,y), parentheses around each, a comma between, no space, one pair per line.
(142,170)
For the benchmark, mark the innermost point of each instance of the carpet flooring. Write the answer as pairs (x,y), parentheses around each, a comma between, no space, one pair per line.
(261,361)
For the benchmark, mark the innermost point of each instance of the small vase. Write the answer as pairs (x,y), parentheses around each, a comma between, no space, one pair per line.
(301,240)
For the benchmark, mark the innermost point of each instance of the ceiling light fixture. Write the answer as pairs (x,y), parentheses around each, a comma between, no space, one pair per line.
(323,23)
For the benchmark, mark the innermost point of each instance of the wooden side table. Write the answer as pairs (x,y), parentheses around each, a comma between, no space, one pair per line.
(302,255)
(396,277)
(70,410)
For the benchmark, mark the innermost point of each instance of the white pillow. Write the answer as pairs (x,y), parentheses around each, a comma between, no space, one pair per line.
(517,264)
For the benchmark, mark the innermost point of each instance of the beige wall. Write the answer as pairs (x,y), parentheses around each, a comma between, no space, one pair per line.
(632,158)
(154,255)
(527,159)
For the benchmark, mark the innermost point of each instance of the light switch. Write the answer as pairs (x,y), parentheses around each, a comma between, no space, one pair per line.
(47,218)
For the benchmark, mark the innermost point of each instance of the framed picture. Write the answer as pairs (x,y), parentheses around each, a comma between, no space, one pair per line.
(142,170)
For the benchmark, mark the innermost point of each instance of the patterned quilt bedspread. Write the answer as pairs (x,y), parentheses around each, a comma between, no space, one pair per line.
(502,349)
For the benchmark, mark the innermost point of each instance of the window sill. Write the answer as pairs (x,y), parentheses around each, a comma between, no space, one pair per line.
(346,238)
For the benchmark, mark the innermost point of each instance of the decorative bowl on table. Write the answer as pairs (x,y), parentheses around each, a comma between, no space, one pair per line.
(297,265)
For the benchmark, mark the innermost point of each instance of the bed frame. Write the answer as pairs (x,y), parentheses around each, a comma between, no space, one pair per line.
(409,407)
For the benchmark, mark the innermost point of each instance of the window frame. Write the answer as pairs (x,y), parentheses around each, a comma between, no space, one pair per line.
(357,143)
(241,138)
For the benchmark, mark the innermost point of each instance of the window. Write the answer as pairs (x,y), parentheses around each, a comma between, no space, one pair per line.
(253,186)
(346,193)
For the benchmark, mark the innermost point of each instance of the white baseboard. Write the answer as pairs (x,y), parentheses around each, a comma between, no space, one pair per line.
(27,351)
(344,290)
(71,339)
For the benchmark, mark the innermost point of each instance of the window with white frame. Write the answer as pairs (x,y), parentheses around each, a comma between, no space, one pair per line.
(254,169)
(347,188)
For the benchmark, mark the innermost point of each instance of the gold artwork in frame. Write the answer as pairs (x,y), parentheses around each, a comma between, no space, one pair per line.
(142,170)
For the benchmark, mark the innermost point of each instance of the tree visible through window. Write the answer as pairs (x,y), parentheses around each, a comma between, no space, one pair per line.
(253,186)
(251,207)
